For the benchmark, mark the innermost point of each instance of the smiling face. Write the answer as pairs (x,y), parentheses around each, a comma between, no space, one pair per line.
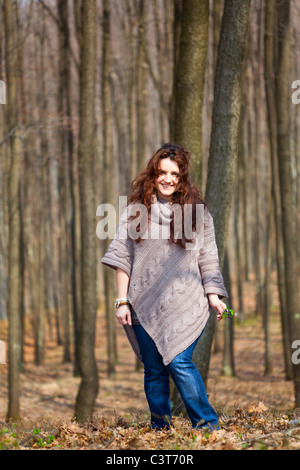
(167,181)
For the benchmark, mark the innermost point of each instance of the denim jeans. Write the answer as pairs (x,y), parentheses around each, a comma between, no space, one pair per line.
(187,379)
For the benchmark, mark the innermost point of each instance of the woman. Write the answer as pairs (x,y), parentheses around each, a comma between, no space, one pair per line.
(168,277)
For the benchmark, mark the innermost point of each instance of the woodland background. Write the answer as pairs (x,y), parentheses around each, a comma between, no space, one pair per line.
(93,88)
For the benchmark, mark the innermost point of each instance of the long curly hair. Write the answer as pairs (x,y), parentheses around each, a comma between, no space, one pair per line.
(143,186)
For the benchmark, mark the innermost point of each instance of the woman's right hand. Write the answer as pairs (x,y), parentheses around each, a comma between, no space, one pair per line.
(123,314)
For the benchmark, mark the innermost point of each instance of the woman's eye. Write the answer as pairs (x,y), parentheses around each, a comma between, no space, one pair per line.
(163,173)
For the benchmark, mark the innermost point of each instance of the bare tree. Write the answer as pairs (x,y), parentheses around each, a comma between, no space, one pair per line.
(108,183)
(14,255)
(88,389)
(270,44)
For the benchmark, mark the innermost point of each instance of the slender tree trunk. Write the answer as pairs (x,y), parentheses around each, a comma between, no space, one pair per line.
(228,357)
(63,185)
(141,86)
(108,184)
(3,200)
(270,43)
(267,287)
(216,17)
(257,236)
(71,165)
(40,316)
(53,255)
(88,388)
(22,247)
(14,255)
(78,20)
(131,100)
(237,230)
(176,43)
(3,240)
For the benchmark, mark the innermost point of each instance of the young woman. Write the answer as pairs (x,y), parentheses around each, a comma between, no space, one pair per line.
(168,277)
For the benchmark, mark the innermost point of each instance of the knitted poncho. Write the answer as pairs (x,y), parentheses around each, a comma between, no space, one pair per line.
(168,284)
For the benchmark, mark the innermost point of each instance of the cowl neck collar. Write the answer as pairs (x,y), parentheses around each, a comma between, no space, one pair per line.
(160,210)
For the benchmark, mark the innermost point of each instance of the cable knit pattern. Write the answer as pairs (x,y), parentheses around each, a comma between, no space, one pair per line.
(168,284)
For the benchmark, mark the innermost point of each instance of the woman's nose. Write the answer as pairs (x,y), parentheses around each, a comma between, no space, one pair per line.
(168,178)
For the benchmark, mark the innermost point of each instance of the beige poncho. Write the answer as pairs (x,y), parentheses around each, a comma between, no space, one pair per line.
(168,284)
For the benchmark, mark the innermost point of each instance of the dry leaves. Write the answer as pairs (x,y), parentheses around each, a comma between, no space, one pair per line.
(254,408)
(255,428)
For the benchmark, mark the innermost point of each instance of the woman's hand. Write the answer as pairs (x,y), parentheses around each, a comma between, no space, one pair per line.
(217,305)
(123,314)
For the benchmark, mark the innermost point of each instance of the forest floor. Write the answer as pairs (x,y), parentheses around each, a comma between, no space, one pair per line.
(255,410)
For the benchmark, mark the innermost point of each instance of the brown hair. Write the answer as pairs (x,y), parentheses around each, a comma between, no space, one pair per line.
(143,186)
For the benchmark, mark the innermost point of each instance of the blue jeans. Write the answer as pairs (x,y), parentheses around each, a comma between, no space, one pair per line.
(187,379)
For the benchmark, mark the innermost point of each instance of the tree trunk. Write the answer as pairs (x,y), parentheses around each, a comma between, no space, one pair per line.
(74,268)
(40,347)
(131,100)
(176,41)
(63,186)
(224,142)
(14,255)
(272,125)
(228,356)
(88,388)
(282,87)
(141,87)
(267,287)
(189,82)
(108,185)
(22,111)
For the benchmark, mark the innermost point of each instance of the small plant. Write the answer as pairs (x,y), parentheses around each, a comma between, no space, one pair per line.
(50,439)
(40,442)
(36,431)
(4,431)
(229,313)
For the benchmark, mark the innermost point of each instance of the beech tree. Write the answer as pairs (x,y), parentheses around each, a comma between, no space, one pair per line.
(14,254)
(88,389)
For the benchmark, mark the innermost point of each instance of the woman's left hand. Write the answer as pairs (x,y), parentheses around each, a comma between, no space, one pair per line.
(216,303)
